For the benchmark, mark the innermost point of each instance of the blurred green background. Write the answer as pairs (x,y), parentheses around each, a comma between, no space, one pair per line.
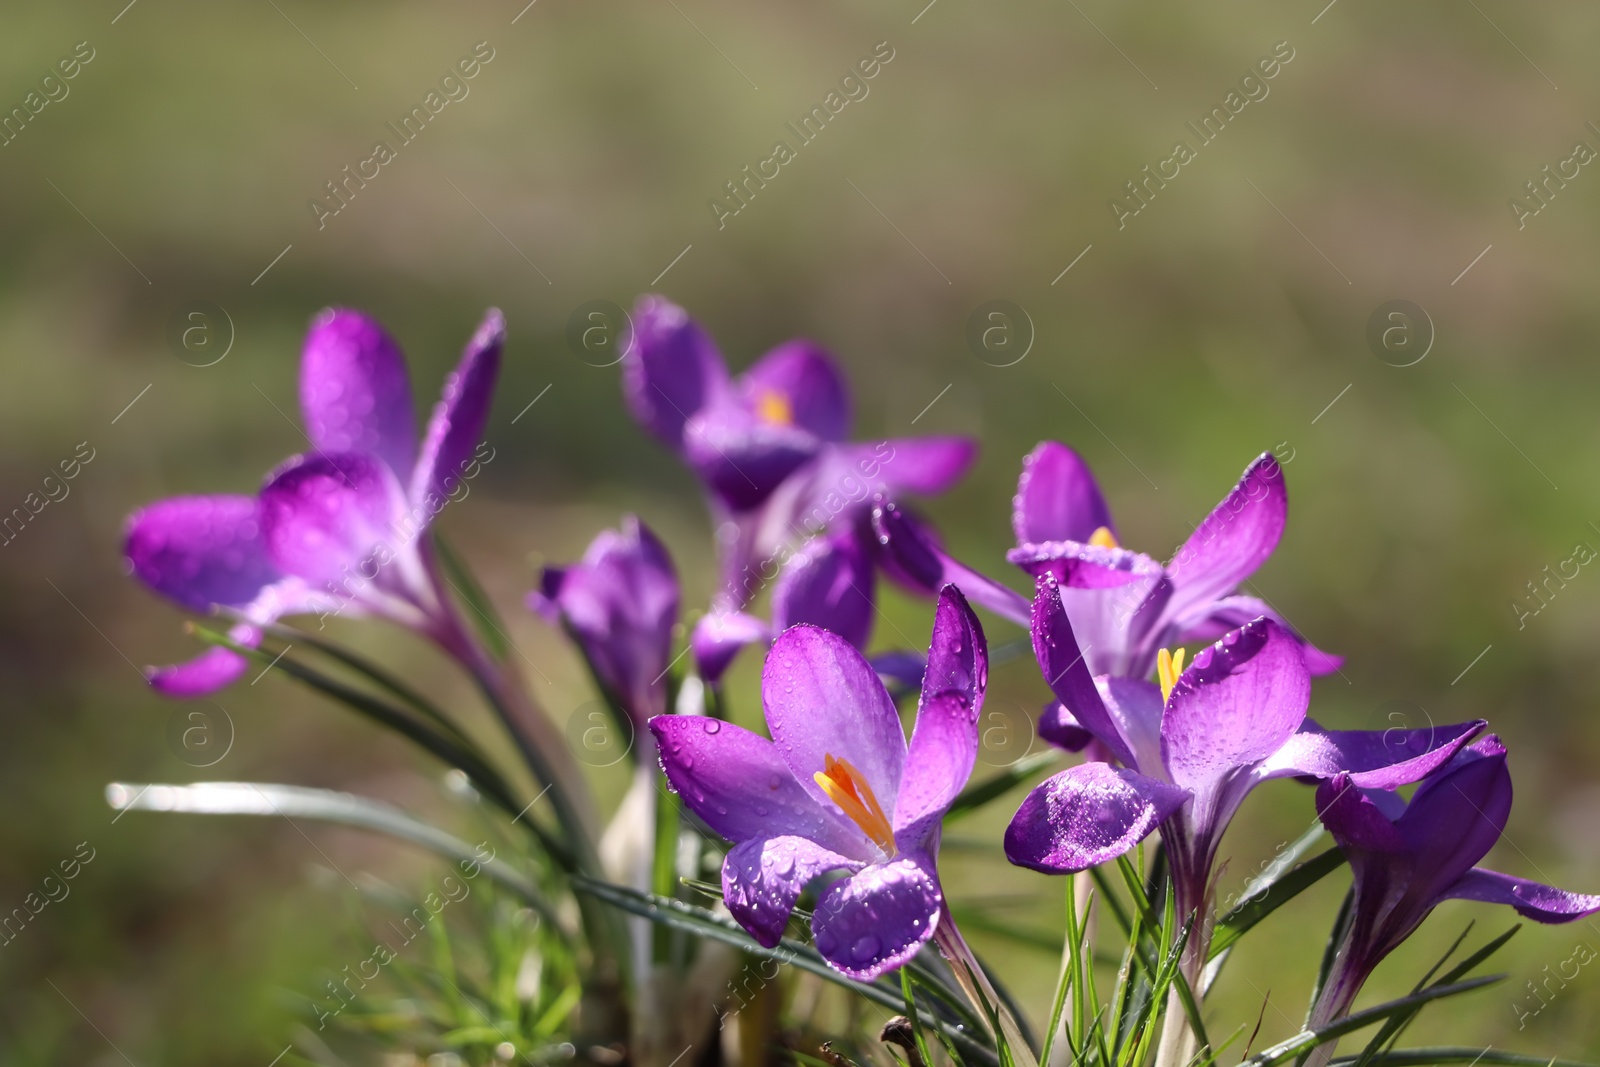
(1219,323)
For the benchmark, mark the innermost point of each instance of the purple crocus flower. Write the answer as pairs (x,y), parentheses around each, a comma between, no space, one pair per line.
(1124,605)
(1186,754)
(1405,858)
(339,529)
(619,604)
(838,788)
(771,447)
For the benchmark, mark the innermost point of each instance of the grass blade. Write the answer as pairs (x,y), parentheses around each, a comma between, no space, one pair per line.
(976,796)
(1263,902)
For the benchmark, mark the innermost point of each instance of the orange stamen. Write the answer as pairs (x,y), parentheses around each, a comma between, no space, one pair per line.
(775,408)
(847,788)
(1104,538)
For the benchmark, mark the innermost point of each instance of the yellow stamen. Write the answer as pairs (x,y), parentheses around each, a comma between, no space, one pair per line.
(775,408)
(846,788)
(1104,538)
(1169,666)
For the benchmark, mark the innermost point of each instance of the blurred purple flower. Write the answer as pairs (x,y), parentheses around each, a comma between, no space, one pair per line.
(339,528)
(1191,750)
(1124,604)
(1406,858)
(838,788)
(771,448)
(619,604)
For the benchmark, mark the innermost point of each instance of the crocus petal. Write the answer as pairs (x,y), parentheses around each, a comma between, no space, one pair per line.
(1061,660)
(958,653)
(903,667)
(822,698)
(213,669)
(321,514)
(828,583)
(720,636)
(1456,816)
(1211,621)
(670,368)
(944,747)
(1058,726)
(1235,539)
(1375,759)
(1087,815)
(875,920)
(1076,565)
(741,457)
(620,604)
(355,392)
(1057,498)
(913,556)
(1237,704)
(200,550)
(1533,900)
(924,465)
(1135,706)
(739,785)
(798,383)
(455,431)
(1355,818)
(762,878)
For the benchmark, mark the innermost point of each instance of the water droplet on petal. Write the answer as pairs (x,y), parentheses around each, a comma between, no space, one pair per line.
(713,726)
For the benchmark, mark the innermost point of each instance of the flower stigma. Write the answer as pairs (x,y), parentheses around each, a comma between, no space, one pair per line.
(1168,667)
(847,788)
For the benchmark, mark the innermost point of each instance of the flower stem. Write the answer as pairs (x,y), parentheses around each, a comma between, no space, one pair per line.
(1014,1048)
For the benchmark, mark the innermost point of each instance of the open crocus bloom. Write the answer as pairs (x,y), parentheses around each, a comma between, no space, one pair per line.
(1186,754)
(1124,605)
(339,529)
(771,448)
(1406,858)
(619,604)
(838,788)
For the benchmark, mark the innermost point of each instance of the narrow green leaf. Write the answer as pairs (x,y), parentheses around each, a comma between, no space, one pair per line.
(484,617)
(1310,1039)
(1068,951)
(913,1016)
(1257,906)
(703,923)
(1422,1057)
(976,796)
(324,805)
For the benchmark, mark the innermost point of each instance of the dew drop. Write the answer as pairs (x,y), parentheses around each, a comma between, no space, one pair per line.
(713,726)
(865,948)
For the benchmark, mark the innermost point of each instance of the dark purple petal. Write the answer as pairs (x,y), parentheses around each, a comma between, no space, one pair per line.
(799,384)
(902,666)
(828,583)
(1135,706)
(354,390)
(1056,649)
(1087,815)
(213,669)
(670,368)
(1076,565)
(1059,728)
(720,636)
(925,465)
(1533,900)
(455,432)
(1375,759)
(200,550)
(1057,498)
(763,877)
(822,698)
(739,785)
(741,457)
(1235,705)
(913,556)
(621,604)
(875,920)
(1355,819)
(1456,816)
(327,518)
(958,653)
(1235,539)
(1211,621)
(944,747)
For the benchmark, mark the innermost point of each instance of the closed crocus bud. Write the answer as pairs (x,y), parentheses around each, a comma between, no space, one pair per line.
(619,603)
